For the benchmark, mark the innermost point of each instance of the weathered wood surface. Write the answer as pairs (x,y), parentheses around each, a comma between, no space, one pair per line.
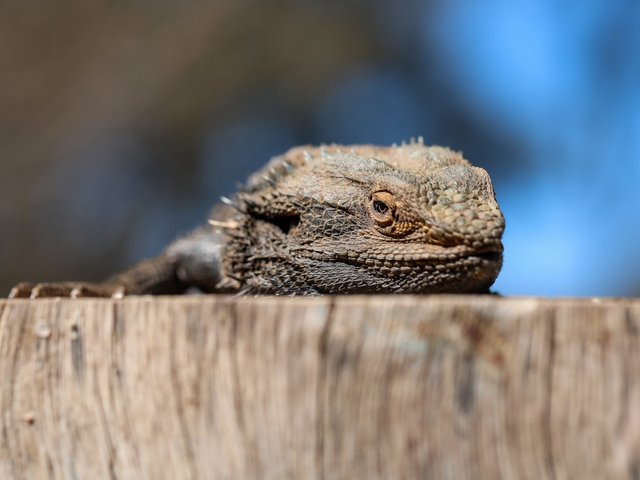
(328,388)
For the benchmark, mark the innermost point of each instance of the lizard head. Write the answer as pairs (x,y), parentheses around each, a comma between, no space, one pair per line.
(359,219)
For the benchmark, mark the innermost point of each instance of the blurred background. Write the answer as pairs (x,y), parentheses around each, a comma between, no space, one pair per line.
(121,122)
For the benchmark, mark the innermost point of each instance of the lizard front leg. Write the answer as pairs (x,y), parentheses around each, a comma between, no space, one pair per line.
(67,289)
(154,276)
(193,261)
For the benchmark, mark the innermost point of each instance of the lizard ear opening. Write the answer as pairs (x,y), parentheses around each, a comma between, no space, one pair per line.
(287,223)
(284,222)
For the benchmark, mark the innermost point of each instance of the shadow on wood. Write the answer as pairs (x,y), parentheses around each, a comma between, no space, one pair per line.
(351,387)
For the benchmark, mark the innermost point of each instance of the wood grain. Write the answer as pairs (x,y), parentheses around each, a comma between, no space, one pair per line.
(381,387)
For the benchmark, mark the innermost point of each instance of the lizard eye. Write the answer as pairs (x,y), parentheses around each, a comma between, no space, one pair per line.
(382,208)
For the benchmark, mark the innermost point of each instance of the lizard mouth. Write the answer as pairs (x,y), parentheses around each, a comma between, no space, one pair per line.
(489,253)
(489,256)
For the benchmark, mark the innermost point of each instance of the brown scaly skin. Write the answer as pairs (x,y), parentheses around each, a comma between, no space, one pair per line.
(332,220)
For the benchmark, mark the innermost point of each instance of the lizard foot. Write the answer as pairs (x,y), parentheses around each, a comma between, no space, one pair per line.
(68,290)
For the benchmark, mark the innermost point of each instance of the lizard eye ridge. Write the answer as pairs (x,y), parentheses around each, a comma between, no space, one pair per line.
(382,208)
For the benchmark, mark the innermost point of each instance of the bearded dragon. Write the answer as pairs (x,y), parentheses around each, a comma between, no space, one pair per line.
(331,220)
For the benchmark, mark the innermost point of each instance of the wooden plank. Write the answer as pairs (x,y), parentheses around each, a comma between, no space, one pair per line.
(384,387)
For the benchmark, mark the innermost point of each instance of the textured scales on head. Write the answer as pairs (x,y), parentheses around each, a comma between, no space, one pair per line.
(360,219)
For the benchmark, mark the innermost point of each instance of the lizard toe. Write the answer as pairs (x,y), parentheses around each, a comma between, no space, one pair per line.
(22,290)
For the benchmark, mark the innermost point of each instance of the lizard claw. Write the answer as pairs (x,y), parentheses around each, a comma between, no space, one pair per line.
(67,290)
